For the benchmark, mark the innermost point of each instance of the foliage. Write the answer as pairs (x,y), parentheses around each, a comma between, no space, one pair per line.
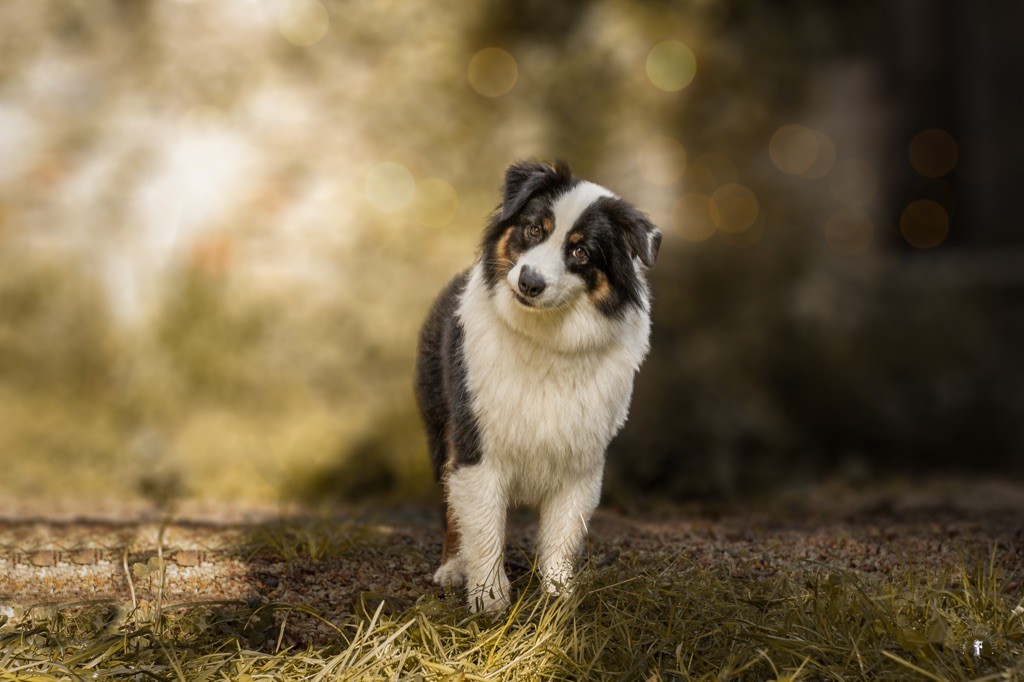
(200,291)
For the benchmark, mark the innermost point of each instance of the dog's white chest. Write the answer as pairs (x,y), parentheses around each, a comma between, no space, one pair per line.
(545,415)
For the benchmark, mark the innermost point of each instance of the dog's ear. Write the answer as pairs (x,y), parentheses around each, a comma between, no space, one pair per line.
(524,180)
(642,237)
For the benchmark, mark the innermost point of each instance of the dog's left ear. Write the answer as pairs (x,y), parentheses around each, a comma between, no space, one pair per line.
(642,237)
(526,179)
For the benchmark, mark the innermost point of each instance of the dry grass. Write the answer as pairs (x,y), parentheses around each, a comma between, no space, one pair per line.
(632,617)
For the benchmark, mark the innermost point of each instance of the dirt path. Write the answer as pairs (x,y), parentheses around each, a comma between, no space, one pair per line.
(336,565)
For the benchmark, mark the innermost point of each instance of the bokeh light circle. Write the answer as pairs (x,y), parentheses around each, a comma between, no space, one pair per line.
(691,217)
(493,72)
(662,160)
(389,187)
(933,153)
(303,22)
(793,149)
(924,224)
(709,171)
(747,238)
(825,157)
(671,66)
(849,231)
(853,182)
(435,202)
(733,208)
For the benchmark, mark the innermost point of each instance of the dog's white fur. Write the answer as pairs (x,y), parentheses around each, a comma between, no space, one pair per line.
(550,388)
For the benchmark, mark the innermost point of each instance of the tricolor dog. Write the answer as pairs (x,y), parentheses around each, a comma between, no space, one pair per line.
(525,371)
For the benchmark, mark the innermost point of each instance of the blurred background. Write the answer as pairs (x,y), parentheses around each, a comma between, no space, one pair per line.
(222,222)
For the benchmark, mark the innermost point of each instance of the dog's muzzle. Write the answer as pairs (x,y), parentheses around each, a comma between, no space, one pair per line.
(531,284)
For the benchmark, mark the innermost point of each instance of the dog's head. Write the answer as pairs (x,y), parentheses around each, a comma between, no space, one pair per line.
(557,238)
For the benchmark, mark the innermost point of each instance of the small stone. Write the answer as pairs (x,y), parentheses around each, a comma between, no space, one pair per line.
(44,558)
(187,557)
(608,559)
(85,557)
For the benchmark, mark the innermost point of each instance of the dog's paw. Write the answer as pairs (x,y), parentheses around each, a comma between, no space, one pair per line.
(558,579)
(450,574)
(557,588)
(489,597)
(489,601)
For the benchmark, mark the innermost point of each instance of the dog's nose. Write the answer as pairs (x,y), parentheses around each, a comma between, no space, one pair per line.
(530,283)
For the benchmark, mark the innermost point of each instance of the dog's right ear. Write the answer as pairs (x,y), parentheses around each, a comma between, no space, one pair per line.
(524,180)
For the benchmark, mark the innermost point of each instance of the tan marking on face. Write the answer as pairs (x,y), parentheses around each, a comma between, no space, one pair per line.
(506,259)
(548,224)
(602,290)
(575,237)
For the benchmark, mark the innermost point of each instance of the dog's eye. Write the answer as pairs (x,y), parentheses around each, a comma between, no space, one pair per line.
(581,255)
(533,232)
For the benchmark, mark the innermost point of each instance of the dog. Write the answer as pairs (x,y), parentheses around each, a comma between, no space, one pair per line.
(525,371)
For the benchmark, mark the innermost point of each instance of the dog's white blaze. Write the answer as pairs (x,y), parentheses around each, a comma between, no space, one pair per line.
(550,389)
(547,258)
(571,205)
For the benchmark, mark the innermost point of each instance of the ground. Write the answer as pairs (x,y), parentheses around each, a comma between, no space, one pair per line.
(299,579)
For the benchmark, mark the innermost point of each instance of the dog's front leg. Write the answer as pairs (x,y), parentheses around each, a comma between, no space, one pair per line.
(477,495)
(563,525)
